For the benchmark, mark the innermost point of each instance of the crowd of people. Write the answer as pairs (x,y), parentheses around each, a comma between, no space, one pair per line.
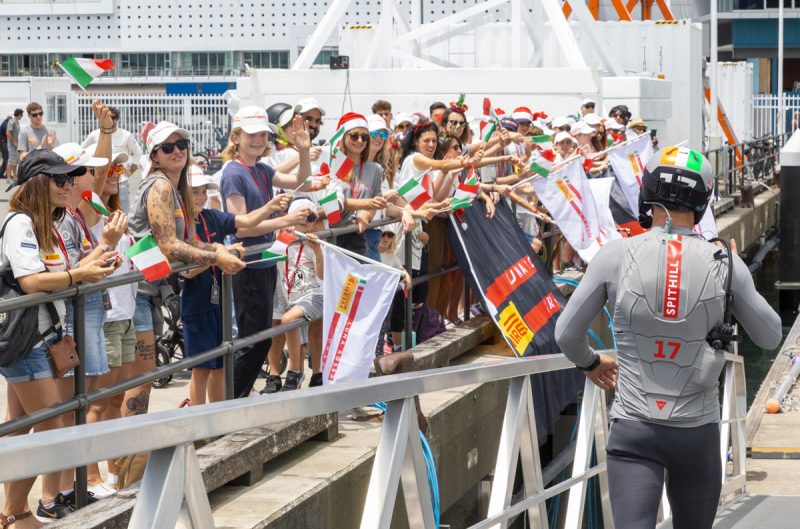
(276,176)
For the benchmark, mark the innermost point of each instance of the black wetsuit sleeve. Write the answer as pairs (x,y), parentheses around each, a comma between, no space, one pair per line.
(585,303)
(751,310)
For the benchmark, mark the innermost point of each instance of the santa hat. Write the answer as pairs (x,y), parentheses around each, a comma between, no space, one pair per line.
(352,120)
(522,114)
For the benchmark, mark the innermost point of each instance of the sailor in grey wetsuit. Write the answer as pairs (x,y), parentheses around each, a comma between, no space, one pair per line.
(667,290)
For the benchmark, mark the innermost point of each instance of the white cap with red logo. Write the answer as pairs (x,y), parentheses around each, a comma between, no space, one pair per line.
(75,155)
(160,133)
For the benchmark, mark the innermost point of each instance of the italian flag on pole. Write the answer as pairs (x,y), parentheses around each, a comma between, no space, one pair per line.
(335,139)
(94,201)
(543,142)
(279,249)
(544,163)
(84,71)
(147,257)
(469,189)
(330,204)
(487,130)
(414,192)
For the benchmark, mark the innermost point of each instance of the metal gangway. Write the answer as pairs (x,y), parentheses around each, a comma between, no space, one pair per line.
(172,489)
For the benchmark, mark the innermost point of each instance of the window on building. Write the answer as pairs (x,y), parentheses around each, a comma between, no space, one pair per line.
(56,108)
(208,63)
(325,54)
(266,59)
(144,64)
(5,65)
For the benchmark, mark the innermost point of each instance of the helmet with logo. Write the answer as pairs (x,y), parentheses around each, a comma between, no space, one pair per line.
(677,176)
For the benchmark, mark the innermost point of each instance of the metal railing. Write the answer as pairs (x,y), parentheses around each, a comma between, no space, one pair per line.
(758,164)
(173,482)
(81,400)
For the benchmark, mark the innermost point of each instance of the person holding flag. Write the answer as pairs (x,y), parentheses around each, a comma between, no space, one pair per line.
(672,296)
(246,185)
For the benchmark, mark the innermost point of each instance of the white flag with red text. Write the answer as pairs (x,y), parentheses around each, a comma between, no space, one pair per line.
(356,299)
(568,197)
(629,163)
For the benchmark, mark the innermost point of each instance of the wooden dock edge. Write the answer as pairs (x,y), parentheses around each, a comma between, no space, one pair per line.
(779,366)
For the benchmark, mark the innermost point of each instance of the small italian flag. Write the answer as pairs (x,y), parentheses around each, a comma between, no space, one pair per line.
(460,203)
(280,248)
(469,189)
(94,201)
(342,166)
(335,139)
(488,111)
(544,163)
(414,192)
(147,257)
(330,204)
(543,142)
(84,71)
(487,129)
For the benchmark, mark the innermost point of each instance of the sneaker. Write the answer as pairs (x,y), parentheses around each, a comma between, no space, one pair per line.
(293,380)
(101,491)
(69,499)
(273,385)
(316,380)
(58,511)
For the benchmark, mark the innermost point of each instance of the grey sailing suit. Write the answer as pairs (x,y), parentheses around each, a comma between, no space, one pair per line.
(666,293)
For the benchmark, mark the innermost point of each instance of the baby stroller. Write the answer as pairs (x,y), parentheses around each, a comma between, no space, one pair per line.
(169,341)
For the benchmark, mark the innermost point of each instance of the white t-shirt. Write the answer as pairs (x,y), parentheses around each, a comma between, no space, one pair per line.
(299,272)
(20,247)
(409,171)
(123,297)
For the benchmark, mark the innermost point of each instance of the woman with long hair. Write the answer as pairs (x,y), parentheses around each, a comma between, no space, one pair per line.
(38,258)
(247,184)
(163,208)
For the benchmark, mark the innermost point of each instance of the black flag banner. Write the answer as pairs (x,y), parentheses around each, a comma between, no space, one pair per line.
(517,290)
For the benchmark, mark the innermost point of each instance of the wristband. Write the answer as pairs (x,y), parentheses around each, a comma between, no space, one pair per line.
(593,365)
(70,278)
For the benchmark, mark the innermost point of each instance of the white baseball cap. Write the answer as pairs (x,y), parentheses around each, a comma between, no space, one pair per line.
(375,122)
(582,127)
(564,135)
(561,121)
(309,103)
(252,120)
(593,119)
(612,124)
(117,157)
(160,133)
(588,101)
(75,155)
(198,178)
(401,117)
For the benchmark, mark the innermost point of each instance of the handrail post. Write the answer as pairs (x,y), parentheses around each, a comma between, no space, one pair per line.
(79,379)
(227,334)
(408,308)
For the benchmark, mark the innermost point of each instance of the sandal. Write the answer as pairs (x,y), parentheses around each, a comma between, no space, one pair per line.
(5,521)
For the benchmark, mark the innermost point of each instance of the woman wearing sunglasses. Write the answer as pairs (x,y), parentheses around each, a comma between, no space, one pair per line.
(164,208)
(39,261)
(361,185)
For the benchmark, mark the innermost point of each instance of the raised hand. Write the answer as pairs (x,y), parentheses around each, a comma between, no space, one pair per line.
(103,115)
(300,136)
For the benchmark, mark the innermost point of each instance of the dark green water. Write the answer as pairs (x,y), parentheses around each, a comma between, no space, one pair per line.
(757,361)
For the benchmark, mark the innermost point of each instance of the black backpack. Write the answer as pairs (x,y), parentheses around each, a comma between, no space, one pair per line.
(19,329)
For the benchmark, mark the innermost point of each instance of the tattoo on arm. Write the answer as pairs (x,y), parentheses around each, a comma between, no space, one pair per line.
(161,214)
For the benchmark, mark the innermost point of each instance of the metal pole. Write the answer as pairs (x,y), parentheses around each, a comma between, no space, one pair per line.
(408,308)
(227,333)
(712,77)
(781,110)
(79,331)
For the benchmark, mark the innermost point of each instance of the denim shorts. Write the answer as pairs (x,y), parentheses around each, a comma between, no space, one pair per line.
(94,359)
(143,315)
(32,366)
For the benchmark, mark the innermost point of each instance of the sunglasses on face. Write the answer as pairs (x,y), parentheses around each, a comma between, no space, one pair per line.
(382,133)
(565,128)
(63,180)
(115,169)
(402,126)
(456,124)
(388,234)
(182,144)
(355,136)
(36,114)
(591,105)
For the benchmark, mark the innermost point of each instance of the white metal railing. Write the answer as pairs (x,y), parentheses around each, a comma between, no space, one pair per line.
(205,116)
(765,113)
(173,484)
